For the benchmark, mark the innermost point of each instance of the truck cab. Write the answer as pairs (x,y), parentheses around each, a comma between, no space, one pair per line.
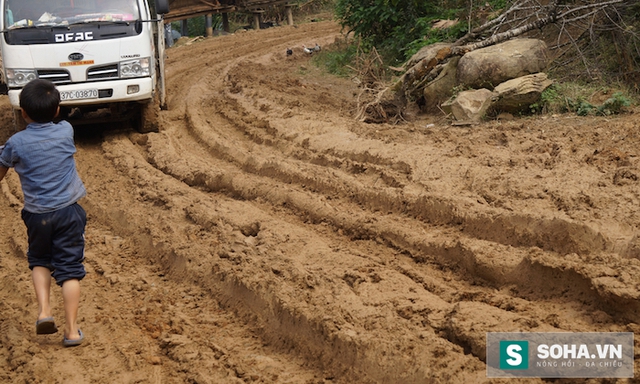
(103,55)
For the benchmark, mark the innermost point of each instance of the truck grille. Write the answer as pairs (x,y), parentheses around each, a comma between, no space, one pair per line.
(103,72)
(56,76)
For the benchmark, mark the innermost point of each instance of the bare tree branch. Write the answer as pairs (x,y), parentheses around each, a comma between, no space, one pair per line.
(491,23)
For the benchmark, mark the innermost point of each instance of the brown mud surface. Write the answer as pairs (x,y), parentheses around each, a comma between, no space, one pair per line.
(264,235)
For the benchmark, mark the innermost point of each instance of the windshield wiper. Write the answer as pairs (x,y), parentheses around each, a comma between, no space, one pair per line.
(39,26)
(120,22)
(32,26)
(51,25)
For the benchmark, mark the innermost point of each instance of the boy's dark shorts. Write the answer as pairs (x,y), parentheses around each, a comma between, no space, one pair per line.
(56,241)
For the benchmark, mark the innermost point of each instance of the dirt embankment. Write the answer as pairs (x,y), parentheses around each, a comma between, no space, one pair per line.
(265,236)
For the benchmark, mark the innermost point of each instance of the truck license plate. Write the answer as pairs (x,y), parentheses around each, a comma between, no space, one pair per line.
(79,94)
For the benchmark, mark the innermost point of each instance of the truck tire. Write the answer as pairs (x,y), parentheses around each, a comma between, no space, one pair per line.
(148,117)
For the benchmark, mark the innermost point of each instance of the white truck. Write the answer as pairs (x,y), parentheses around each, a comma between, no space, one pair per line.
(105,56)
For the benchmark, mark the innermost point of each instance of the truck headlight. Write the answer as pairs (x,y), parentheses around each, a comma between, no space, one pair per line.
(20,77)
(134,68)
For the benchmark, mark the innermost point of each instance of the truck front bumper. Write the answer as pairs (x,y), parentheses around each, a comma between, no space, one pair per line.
(103,92)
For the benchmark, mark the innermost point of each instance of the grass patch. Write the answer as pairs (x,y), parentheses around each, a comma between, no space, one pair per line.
(337,59)
(584,100)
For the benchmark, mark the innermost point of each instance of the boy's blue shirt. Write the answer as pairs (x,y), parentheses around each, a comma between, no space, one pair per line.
(42,155)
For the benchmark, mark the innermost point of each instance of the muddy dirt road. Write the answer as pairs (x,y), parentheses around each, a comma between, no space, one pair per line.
(266,236)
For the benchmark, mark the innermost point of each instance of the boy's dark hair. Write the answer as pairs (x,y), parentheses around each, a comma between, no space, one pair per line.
(40,100)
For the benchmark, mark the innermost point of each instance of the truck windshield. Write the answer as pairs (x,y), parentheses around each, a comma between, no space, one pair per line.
(35,13)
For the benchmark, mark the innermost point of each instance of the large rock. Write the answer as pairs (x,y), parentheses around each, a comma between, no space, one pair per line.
(441,88)
(488,67)
(469,106)
(517,95)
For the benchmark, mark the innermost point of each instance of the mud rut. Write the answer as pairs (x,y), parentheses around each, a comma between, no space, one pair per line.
(265,236)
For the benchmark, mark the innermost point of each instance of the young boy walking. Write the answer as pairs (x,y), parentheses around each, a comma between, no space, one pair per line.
(42,156)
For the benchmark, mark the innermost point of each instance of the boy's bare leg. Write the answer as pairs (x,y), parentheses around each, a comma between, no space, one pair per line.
(71,298)
(41,277)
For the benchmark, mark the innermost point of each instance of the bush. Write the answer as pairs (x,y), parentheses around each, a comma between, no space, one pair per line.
(614,105)
(575,98)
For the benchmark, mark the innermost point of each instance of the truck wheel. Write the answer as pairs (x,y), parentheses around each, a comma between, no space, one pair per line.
(148,117)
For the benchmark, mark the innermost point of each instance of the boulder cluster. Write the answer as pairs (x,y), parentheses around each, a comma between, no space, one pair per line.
(506,77)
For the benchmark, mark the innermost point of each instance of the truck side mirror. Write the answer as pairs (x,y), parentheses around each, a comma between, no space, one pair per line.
(162,7)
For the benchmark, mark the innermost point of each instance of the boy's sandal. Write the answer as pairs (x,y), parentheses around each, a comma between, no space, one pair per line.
(73,342)
(46,326)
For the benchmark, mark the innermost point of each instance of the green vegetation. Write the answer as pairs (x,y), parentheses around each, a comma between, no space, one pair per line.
(578,98)
(399,28)
(337,59)
(614,105)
